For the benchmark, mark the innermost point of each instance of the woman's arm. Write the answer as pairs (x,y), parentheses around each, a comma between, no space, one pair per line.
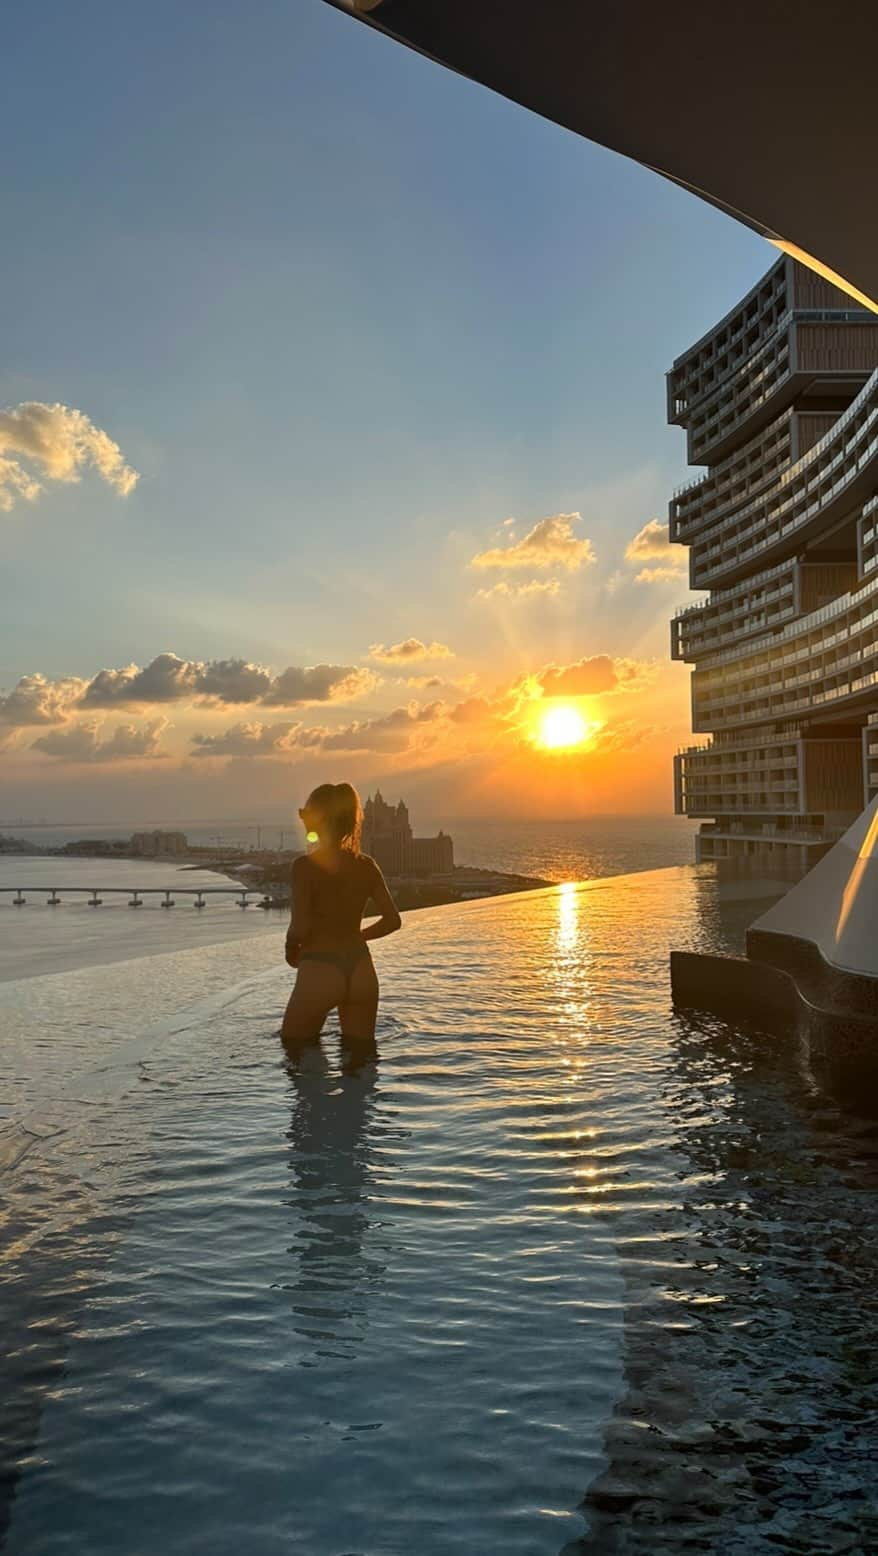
(390,921)
(300,911)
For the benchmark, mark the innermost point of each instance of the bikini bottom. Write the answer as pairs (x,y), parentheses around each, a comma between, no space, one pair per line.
(345,961)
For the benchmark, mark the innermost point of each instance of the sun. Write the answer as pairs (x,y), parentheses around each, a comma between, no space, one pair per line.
(562,728)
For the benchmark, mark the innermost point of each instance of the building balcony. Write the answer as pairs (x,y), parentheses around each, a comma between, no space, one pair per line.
(704,499)
(755,608)
(753,778)
(790,775)
(733,841)
(836,476)
(867,540)
(720,351)
(837,348)
(711,374)
(815,665)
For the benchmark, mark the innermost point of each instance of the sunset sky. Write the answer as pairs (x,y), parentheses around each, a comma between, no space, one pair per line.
(332,427)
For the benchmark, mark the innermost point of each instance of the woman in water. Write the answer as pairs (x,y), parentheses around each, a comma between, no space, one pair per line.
(325,941)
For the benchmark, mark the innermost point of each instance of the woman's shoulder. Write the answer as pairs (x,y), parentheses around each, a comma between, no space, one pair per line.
(367,864)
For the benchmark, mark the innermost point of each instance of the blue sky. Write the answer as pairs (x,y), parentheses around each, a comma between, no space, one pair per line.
(344,313)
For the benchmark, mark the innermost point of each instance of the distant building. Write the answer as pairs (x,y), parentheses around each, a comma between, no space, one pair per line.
(16,845)
(158,845)
(387,836)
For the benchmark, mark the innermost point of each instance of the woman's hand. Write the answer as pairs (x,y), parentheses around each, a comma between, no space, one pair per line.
(292,949)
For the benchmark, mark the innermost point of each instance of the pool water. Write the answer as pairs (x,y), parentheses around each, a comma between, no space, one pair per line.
(562,1272)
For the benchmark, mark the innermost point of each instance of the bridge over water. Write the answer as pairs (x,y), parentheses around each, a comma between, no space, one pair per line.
(95,895)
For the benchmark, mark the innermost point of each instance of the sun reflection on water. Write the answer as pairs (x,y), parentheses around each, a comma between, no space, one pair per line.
(568,917)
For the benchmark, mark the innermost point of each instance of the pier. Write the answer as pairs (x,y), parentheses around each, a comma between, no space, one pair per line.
(95,895)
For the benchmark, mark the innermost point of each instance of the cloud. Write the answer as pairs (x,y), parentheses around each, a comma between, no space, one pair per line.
(551,543)
(626,736)
(653,544)
(391,732)
(460,686)
(409,650)
(82,742)
(320,683)
(168,678)
(233,680)
(165,679)
(587,677)
(249,740)
(592,676)
(649,575)
(36,700)
(548,588)
(651,541)
(473,710)
(60,443)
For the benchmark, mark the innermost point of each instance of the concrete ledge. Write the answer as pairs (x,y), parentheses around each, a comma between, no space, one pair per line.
(841,1041)
(729,985)
(821,981)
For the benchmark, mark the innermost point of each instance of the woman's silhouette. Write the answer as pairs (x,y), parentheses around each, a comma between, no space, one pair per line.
(326,942)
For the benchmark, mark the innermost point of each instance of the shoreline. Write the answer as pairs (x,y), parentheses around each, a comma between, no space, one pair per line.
(271,876)
(466,883)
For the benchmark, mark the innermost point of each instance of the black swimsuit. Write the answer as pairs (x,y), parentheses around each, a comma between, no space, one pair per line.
(345,961)
(337,903)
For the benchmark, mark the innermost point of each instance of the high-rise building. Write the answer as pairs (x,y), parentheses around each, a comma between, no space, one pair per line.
(158,845)
(780,402)
(387,836)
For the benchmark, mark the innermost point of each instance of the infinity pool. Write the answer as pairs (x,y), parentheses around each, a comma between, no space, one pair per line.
(562,1273)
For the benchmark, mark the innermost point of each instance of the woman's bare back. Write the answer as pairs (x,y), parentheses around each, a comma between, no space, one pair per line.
(338,889)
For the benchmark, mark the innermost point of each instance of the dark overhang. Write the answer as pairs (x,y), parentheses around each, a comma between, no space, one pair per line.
(765,109)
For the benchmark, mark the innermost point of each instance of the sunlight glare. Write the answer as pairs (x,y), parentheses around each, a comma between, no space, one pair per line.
(562,727)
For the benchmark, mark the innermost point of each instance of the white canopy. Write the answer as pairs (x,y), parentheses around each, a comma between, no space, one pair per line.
(835,906)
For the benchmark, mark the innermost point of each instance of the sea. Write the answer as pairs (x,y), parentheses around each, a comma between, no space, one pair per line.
(41,938)
(575,850)
(561,1271)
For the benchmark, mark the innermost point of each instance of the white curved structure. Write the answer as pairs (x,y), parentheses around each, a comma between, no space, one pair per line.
(835,907)
(764,110)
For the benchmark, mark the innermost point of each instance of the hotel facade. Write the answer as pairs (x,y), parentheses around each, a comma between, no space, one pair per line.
(387,836)
(780,402)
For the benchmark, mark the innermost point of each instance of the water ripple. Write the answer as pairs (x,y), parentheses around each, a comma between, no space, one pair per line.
(560,1272)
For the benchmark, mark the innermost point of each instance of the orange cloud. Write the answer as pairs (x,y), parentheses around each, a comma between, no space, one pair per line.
(36,700)
(591,676)
(390,732)
(653,544)
(409,651)
(551,543)
(547,589)
(649,575)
